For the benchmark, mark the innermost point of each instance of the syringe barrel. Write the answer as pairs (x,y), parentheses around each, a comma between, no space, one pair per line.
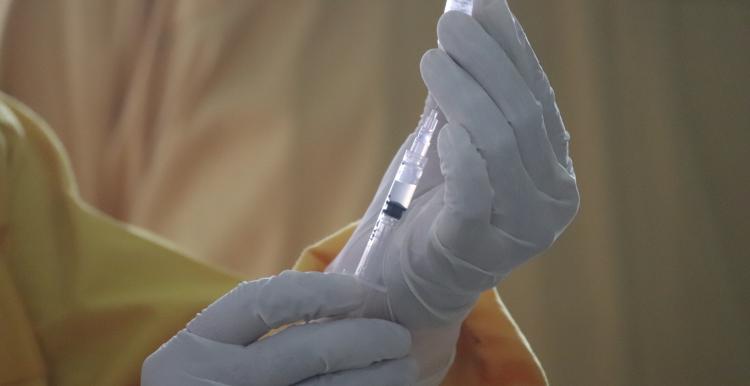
(404,184)
(410,170)
(370,266)
(464,6)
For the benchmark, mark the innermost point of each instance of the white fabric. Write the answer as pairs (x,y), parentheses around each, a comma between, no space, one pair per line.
(223,345)
(499,187)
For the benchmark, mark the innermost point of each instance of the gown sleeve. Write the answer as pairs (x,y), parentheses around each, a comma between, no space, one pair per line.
(83,298)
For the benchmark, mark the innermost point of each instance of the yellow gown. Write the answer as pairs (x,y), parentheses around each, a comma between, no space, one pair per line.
(85,298)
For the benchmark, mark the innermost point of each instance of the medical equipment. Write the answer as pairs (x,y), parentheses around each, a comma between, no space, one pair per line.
(464,6)
(404,184)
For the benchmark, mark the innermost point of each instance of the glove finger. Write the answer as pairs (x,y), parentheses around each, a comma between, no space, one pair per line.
(399,372)
(189,359)
(465,102)
(468,192)
(253,308)
(464,239)
(497,19)
(479,54)
(303,351)
(196,381)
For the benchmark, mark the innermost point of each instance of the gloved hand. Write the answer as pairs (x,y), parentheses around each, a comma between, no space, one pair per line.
(222,345)
(498,188)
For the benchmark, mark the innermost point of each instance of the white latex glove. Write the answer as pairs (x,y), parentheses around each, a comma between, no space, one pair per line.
(222,345)
(498,189)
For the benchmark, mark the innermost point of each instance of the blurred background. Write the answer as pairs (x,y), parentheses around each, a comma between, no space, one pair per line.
(246,130)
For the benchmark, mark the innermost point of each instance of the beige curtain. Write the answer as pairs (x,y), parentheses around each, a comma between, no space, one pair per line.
(651,285)
(241,130)
(203,121)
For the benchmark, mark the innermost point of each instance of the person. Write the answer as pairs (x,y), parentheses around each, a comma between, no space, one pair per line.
(499,188)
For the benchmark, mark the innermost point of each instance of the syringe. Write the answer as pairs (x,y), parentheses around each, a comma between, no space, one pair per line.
(404,184)
(465,6)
